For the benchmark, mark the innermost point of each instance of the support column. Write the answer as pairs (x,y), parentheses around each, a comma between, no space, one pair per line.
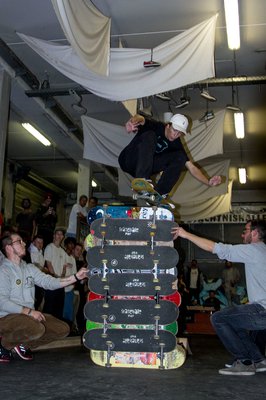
(84,180)
(5,87)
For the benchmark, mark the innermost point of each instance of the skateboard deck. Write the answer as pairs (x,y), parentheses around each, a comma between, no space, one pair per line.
(120,211)
(133,284)
(173,327)
(171,360)
(137,312)
(129,340)
(174,298)
(133,229)
(128,257)
(145,191)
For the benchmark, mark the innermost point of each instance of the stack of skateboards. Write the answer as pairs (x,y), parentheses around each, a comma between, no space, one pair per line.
(132,307)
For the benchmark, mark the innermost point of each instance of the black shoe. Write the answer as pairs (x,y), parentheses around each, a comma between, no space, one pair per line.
(5,355)
(23,352)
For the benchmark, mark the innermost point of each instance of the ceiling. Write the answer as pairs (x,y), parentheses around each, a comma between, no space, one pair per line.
(139,24)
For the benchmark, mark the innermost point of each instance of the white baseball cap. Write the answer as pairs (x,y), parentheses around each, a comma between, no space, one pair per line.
(180,123)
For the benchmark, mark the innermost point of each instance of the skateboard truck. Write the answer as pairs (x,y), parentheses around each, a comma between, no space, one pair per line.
(109,353)
(161,356)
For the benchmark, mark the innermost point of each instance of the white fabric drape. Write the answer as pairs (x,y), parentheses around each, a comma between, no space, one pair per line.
(186,58)
(197,210)
(103,141)
(88,32)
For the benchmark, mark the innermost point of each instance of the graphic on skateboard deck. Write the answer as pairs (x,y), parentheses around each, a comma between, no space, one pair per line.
(171,360)
(133,284)
(115,211)
(173,327)
(135,312)
(133,229)
(128,257)
(145,191)
(174,298)
(129,340)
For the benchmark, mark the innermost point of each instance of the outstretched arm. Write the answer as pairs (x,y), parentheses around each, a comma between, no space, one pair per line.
(133,123)
(204,244)
(196,172)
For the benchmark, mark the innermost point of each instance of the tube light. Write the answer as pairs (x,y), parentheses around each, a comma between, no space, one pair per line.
(239,125)
(232,24)
(36,134)
(242,175)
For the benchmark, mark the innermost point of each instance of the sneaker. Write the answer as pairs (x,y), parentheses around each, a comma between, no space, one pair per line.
(23,352)
(151,64)
(260,366)
(229,364)
(238,368)
(5,356)
(163,96)
(206,95)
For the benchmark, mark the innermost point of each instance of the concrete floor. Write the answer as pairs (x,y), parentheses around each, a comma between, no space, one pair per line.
(69,373)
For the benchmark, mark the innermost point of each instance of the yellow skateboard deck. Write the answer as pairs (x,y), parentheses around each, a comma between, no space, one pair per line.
(172,360)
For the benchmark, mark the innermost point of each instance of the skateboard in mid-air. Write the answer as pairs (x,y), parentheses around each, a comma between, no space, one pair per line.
(144,190)
(171,360)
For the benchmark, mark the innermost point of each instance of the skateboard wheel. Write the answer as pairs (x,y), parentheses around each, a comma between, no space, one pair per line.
(104,279)
(157,318)
(104,317)
(106,287)
(157,288)
(104,335)
(157,306)
(155,280)
(105,305)
(156,337)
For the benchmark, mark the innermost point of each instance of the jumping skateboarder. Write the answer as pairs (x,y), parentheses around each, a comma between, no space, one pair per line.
(156,148)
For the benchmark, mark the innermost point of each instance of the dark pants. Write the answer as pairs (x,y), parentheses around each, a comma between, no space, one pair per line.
(140,160)
(233,326)
(54,302)
(18,329)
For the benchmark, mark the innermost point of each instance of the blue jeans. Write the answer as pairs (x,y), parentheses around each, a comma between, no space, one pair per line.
(233,326)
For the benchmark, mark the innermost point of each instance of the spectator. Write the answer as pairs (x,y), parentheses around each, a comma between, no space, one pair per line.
(20,324)
(69,268)
(25,221)
(81,287)
(231,276)
(46,219)
(55,260)
(193,279)
(78,211)
(35,251)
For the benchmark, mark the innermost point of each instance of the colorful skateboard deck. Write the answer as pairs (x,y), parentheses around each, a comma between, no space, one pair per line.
(173,327)
(128,257)
(145,191)
(175,297)
(172,360)
(115,211)
(135,312)
(129,340)
(133,229)
(133,284)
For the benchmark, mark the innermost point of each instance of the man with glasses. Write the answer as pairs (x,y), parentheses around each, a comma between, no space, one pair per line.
(157,148)
(239,326)
(21,326)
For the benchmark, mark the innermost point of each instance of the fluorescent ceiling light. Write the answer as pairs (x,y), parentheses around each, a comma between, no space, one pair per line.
(36,134)
(232,23)
(93,183)
(242,175)
(239,125)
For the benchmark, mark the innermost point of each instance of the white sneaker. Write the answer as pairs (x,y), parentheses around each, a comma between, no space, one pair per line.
(261,366)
